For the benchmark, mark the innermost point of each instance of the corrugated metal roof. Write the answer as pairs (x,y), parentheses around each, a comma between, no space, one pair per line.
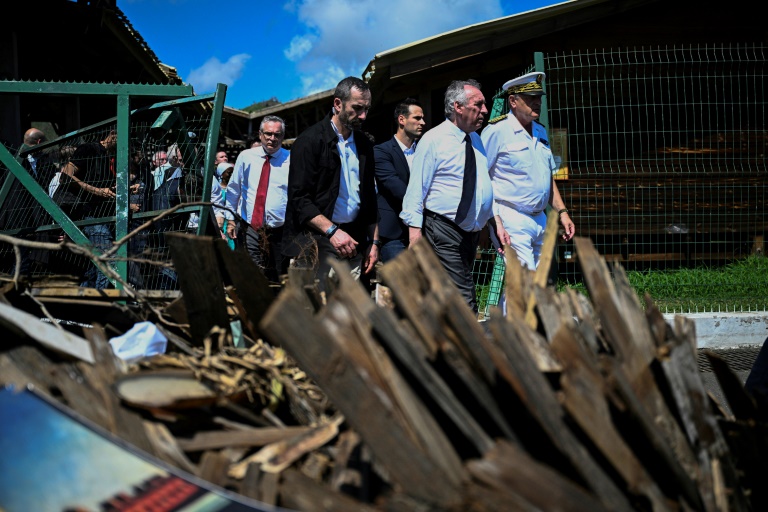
(281,107)
(466,41)
(169,72)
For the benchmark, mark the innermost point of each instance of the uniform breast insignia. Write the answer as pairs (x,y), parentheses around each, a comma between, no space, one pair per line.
(497,119)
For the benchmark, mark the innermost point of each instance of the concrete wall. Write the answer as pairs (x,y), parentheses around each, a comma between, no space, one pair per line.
(725,330)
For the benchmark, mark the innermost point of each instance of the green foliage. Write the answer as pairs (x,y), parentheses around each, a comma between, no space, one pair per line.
(738,286)
(741,285)
(261,105)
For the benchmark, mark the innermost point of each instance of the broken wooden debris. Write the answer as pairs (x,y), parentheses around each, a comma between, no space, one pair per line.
(27,326)
(568,403)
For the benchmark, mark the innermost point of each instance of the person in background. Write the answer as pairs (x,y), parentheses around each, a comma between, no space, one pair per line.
(32,138)
(331,189)
(20,209)
(393,169)
(219,198)
(87,188)
(258,192)
(221,157)
(449,197)
(159,158)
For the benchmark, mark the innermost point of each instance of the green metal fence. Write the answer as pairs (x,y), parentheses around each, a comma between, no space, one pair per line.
(127,170)
(663,165)
(662,156)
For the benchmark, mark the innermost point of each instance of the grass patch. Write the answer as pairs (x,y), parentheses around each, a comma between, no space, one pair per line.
(738,286)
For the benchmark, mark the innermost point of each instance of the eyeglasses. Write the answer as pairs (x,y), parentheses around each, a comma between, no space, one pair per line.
(269,135)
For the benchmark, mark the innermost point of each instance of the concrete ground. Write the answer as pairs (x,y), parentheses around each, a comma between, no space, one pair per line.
(740,361)
(736,337)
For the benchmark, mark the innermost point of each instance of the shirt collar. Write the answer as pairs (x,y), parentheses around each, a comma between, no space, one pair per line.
(338,133)
(406,148)
(274,156)
(456,131)
(516,126)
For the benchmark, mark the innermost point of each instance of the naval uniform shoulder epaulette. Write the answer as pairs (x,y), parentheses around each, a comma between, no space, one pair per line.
(497,119)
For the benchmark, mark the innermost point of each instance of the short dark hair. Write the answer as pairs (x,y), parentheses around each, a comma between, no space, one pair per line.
(344,88)
(403,108)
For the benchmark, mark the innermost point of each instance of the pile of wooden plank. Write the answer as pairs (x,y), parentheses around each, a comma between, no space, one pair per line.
(409,403)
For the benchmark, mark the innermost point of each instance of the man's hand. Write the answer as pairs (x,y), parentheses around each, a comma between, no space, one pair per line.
(503,237)
(231,231)
(134,207)
(369,262)
(568,226)
(414,234)
(104,192)
(345,245)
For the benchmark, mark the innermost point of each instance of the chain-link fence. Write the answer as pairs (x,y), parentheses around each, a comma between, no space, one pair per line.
(662,156)
(168,165)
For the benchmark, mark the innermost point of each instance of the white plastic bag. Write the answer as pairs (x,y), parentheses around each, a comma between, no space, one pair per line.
(142,340)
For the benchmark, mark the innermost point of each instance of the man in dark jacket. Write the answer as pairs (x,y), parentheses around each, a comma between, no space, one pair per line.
(331,191)
(393,169)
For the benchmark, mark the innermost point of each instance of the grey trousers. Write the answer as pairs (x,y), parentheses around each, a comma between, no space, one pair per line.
(456,249)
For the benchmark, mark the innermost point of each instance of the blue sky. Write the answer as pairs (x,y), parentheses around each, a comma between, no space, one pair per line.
(291,48)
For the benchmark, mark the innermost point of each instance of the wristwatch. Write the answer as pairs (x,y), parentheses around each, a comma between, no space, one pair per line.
(331,230)
(377,243)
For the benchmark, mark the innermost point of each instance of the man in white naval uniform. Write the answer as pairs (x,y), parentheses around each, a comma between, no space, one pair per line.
(521,166)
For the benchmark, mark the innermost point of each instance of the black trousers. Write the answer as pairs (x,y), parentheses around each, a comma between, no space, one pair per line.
(321,262)
(456,249)
(263,245)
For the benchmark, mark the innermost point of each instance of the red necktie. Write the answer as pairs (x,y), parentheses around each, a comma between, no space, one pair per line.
(257,219)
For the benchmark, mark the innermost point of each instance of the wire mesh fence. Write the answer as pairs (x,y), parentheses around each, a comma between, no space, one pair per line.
(663,160)
(488,273)
(166,168)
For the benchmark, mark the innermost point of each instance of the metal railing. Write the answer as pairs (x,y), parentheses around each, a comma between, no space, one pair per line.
(97,184)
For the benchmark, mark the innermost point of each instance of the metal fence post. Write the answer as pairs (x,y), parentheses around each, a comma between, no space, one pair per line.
(538,62)
(211,145)
(123,179)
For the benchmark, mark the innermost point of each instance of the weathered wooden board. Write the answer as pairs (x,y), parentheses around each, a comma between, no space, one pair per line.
(63,342)
(364,404)
(201,284)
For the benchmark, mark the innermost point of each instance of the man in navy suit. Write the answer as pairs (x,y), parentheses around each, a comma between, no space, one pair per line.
(393,168)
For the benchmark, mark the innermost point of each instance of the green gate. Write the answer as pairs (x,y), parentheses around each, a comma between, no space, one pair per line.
(46,205)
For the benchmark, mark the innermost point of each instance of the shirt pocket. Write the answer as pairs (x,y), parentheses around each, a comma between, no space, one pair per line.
(517,157)
(547,158)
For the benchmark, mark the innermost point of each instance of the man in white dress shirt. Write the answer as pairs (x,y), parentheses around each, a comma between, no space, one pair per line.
(258,192)
(521,166)
(449,197)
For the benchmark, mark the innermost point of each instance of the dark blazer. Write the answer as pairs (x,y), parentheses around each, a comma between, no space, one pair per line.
(314,177)
(392,174)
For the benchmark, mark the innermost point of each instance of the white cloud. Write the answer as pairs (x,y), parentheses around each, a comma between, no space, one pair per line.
(344,35)
(300,46)
(205,78)
(326,78)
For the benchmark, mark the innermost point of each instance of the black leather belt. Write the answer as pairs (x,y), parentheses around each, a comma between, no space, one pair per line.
(443,219)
